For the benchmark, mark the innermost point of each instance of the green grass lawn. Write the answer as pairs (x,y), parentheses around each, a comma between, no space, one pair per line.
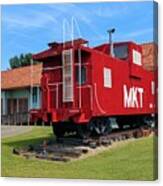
(130,161)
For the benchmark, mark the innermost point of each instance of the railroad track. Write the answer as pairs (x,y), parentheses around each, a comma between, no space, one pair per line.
(70,147)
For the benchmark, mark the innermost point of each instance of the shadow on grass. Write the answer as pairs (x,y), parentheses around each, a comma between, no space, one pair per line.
(32,141)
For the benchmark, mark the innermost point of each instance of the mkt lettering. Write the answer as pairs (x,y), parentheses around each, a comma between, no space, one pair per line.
(133,97)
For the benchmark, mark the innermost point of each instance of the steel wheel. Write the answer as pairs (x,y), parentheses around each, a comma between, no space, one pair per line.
(149,121)
(58,130)
(100,126)
(83,131)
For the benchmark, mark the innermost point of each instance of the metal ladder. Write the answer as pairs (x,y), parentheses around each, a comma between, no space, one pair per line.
(67,76)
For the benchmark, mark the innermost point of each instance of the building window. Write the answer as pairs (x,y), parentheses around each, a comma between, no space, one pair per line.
(11,106)
(34,95)
(137,57)
(23,105)
(107,78)
(83,75)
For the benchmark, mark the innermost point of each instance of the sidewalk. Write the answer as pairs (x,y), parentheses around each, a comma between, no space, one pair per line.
(8,131)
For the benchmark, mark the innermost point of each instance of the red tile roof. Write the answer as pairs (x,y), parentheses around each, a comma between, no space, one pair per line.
(21,77)
(149,51)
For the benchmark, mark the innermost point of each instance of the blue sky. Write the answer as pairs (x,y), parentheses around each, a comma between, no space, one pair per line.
(28,28)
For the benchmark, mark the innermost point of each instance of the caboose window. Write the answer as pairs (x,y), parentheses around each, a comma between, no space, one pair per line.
(136,57)
(121,52)
(107,78)
(83,75)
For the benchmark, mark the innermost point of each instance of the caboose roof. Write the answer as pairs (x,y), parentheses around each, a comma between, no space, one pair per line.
(149,50)
(52,52)
(78,41)
(56,48)
(105,45)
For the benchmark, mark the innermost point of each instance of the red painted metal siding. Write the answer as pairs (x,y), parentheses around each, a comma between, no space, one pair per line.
(92,98)
(110,101)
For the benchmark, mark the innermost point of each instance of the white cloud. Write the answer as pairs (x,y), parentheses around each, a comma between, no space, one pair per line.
(27,20)
(139,33)
(50,17)
(110,11)
(81,16)
(70,9)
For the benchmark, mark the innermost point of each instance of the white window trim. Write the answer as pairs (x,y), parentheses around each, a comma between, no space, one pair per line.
(107,74)
(137,58)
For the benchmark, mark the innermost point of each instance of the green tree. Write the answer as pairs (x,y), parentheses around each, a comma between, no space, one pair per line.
(22,60)
(14,62)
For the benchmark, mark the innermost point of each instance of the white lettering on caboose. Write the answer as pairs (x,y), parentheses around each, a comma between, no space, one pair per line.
(133,97)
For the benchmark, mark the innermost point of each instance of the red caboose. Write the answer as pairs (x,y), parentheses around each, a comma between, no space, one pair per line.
(83,87)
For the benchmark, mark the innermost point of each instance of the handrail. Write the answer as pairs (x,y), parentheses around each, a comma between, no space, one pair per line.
(90,87)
